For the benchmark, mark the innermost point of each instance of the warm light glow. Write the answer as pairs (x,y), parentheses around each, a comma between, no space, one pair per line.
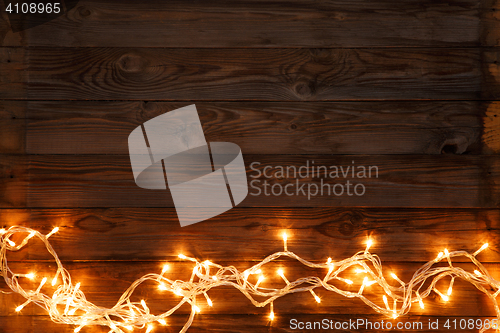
(386,302)
(56,229)
(2,231)
(369,244)
(285,237)
(126,315)
(11,243)
(482,248)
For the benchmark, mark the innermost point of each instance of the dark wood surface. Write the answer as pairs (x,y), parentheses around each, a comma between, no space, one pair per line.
(409,86)
(203,74)
(260,23)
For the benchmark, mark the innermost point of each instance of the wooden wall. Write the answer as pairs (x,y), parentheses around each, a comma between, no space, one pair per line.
(409,86)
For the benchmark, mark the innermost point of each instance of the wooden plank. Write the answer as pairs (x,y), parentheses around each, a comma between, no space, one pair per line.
(12,127)
(14,79)
(222,323)
(315,233)
(256,74)
(395,181)
(13,180)
(104,282)
(259,23)
(89,127)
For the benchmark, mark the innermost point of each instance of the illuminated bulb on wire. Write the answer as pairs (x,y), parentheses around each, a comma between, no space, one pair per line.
(484,247)
(209,301)
(271,314)
(259,281)
(181,256)
(31,235)
(162,322)
(41,285)
(2,231)
(56,229)
(164,269)
(444,297)
(285,237)
(450,288)
(478,273)
(30,276)
(358,271)
(446,252)
(280,273)
(130,328)
(369,244)
(144,306)
(150,328)
(161,286)
(421,303)
(11,243)
(386,302)
(315,296)
(196,309)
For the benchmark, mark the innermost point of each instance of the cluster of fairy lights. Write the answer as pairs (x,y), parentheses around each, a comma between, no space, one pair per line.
(68,304)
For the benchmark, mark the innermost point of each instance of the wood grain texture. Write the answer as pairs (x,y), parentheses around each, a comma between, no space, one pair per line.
(257,74)
(85,127)
(13,78)
(403,181)
(104,282)
(253,233)
(257,23)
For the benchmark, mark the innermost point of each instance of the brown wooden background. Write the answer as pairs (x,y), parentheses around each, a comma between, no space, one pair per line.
(409,86)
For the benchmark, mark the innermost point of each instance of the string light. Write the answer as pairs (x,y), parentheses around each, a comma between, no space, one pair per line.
(127,315)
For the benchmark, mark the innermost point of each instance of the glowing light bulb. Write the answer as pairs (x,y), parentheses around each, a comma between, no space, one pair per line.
(11,243)
(259,271)
(421,304)
(31,235)
(369,244)
(144,305)
(2,231)
(329,260)
(165,268)
(181,256)
(56,229)
(446,252)
(130,328)
(72,312)
(259,281)
(280,273)
(161,286)
(76,330)
(209,301)
(394,315)
(445,298)
(162,321)
(348,281)
(358,271)
(315,296)
(214,278)
(271,313)
(394,276)
(484,247)
(19,308)
(386,302)
(54,281)
(478,273)
(30,276)
(196,309)
(150,328)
